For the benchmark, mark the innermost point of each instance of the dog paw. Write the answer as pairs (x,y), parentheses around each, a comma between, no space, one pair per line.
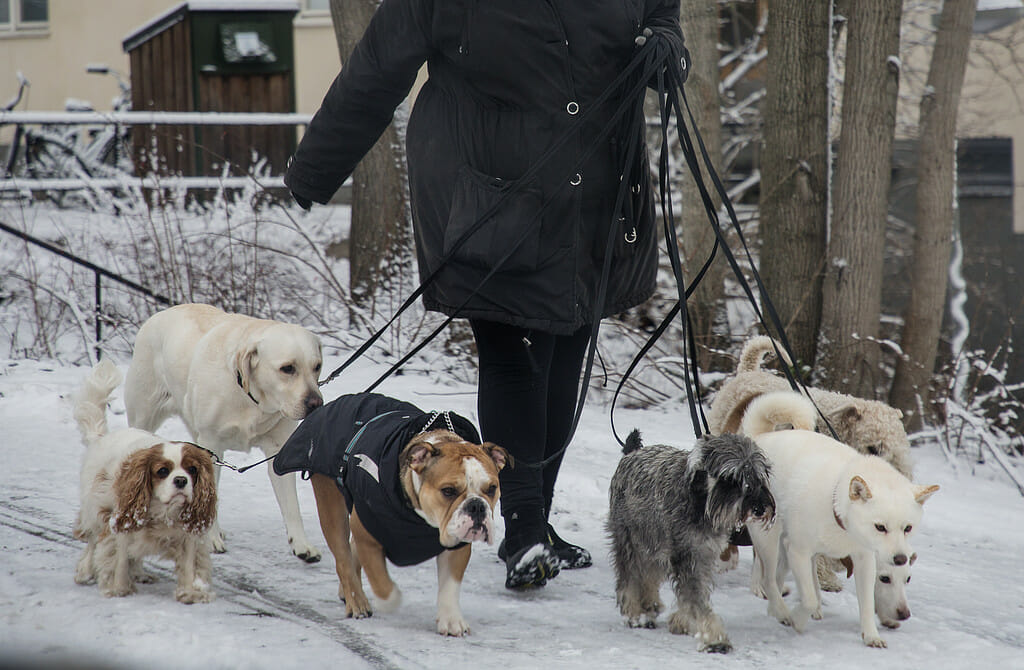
(217,542)
(119,591)
(193,596)
(874,641)
(305,552)
(645,620)
(357,605)
(144,577)
(719,647)
(452,626)
(816,614)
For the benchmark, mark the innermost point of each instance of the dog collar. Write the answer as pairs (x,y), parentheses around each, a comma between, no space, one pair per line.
(835,513)
(238,378)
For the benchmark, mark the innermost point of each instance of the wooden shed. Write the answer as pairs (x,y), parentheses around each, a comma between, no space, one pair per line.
(214,56)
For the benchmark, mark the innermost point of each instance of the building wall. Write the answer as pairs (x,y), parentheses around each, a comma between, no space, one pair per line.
(992,99)
(82,32)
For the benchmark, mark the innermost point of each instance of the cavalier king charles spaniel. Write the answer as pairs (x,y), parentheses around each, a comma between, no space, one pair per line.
(141,496)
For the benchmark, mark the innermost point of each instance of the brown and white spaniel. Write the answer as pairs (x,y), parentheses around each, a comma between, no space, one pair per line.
(141,496)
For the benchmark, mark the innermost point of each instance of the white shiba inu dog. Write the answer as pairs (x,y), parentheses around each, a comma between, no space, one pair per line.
(830,500)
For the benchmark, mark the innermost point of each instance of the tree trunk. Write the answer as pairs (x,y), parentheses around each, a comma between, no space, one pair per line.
(699,19)
(794,168)
(848,353)
(934,216)
(380,238)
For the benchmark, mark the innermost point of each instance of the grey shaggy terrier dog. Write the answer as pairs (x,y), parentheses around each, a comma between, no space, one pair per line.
(670,516)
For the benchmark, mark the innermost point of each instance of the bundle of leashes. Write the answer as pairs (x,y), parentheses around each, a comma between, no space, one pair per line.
(656,61)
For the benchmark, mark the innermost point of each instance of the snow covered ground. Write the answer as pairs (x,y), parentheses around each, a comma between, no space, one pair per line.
(273,611)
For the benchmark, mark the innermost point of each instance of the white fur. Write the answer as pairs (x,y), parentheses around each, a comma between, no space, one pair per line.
(833,501)
(188,361)
(114,550)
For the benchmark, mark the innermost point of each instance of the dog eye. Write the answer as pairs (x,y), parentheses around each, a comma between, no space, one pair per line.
(874,450)
(885,579)
(880,528)
(193,470)
(288,369)
(908,580)
(491,491)
(449,492)
(908,529)
(163,472)
(317,367)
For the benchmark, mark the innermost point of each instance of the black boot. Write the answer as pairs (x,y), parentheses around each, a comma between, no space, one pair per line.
(570,556)
(526,550)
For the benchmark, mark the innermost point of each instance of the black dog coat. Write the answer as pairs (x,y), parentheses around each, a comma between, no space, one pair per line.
(357,440)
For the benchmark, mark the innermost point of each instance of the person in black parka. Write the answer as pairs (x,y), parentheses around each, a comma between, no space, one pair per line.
(507,80)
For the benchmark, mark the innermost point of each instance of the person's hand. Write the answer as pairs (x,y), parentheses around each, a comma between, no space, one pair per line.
(648,35)
(304,203)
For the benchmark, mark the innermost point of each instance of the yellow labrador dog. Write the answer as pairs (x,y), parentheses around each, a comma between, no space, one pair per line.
(237,382)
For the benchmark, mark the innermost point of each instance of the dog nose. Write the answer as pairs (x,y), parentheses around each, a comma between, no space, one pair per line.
(180,482)
(312,402)
(476,509)
(900,559)
(903,613)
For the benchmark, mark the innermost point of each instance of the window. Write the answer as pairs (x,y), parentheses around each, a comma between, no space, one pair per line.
(20,15)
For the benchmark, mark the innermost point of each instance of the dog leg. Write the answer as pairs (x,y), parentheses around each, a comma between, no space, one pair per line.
(451,566)
(371,557)
(693,616)
(215,534)
(801,562)
(637,581)
(864,575)
(116,578)
(288,501)
(330,507)
(766,548)
(85,573)
(190,588)
(825,569)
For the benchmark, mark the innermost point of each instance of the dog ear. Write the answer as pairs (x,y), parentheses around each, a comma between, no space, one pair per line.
(244,361)
(922,493)
(500,457)
(418,455)
(848,412)
(133,489)
(198,515)
(859,489)
(913,558)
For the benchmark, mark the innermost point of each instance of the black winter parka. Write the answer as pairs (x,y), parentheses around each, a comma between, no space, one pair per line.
(507,79)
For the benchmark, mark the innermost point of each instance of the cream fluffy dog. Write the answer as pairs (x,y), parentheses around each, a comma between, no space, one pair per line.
(869,426)
(833,501)
(236,381)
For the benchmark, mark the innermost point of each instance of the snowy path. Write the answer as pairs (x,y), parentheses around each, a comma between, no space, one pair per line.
(273,611)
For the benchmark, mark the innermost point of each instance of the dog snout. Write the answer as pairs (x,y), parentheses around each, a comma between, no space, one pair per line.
(903,613)
(476,509)
(900,559)
(313,401)
(180,482)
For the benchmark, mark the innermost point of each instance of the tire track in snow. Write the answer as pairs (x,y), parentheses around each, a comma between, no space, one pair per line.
(233,588)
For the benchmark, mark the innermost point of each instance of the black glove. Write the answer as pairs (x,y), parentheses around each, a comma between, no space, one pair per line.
(647,34)
(304,203)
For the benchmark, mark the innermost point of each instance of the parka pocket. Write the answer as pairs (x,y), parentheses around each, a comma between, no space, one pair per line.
(513,224)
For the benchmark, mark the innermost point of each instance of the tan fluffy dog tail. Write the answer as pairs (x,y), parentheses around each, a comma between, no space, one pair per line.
(754,352)
(778,410)
(91,400)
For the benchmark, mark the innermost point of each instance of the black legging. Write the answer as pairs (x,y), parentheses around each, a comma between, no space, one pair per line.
(526,401)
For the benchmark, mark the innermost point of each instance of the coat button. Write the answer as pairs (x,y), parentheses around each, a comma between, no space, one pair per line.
(576,180)
(573,108)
